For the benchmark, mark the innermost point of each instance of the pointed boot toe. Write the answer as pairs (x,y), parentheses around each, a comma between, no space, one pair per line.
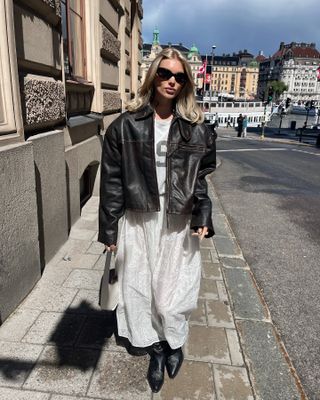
(173,362)
(156,369)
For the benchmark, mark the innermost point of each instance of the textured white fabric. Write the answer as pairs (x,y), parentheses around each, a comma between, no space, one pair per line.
(159,272)
(161,131)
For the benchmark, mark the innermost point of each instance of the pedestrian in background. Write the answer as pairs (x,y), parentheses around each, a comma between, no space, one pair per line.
(228,122)
(240,125)
(244,126)
(154,161)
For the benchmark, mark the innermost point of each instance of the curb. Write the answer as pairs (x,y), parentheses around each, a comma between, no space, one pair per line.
(270,369)
(267,139)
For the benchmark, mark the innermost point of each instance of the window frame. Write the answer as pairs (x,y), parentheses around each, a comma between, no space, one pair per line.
(70,75)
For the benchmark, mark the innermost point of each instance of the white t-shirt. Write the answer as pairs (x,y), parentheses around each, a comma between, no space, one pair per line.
(161,131)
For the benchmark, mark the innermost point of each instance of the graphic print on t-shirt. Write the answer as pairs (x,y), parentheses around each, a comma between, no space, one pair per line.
(161,153)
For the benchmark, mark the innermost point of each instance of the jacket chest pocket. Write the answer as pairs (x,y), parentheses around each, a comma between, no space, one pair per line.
(194,148)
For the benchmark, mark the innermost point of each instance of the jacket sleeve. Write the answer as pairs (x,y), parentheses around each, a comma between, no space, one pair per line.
(202,207)
(111,206)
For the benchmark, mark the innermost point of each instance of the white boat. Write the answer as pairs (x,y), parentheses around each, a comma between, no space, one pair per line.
(256,112)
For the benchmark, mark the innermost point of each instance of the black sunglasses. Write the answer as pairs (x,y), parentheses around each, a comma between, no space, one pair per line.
(166,74)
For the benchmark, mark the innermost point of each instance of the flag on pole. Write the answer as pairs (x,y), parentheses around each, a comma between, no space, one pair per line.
(203,67)
(318,74)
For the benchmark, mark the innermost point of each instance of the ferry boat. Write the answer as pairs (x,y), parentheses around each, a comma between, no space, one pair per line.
(223,111)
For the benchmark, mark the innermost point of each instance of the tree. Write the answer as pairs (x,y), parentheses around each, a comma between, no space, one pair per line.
(278,87)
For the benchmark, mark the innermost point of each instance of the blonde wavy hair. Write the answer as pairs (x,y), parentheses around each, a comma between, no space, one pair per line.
(185,102)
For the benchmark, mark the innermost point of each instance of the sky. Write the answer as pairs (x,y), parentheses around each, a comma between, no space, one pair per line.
(232,25)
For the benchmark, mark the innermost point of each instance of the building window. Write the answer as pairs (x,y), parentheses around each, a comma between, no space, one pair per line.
(72,17)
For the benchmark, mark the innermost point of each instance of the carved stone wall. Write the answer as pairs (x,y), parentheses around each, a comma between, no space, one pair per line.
(43,100)
(110,44)
(111,101)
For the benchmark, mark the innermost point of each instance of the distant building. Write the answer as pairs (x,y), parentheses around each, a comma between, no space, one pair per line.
(234,76)
(295,64)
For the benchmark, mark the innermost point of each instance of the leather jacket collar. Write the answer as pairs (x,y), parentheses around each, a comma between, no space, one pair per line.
(184,125)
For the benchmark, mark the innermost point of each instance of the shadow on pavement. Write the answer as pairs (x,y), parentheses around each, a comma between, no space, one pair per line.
(78,340)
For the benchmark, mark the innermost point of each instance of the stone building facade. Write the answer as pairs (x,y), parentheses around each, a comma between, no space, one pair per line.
(296,65)
(66,69)
(234,76)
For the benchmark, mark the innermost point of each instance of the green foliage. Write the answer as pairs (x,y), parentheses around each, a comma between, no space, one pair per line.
(278,87)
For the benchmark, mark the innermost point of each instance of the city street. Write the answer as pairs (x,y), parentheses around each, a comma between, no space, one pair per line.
(270,192)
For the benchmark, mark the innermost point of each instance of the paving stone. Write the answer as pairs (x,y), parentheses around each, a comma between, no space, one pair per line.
(208,289)
(233,262)
(64,397)
(226,247)
(85,302)
(88,209)
(221,226)
(63,370)
(14,394)
(207,344)
(82,234)
(96,248)
(98,332)
(84,279)
(56,274)
(205,255)
(207,244)
(85,224)
(232,383)
(49,298)
(194,381)
(272,376)
(219,314)
(90,217)
(246,302)
(214,255)
(85,261)
(234,348)
(100,263)
(198,316)
(211,271)
(58,328)
(222,292)
(73,247)
(16,362)
(120,376)
(17,325)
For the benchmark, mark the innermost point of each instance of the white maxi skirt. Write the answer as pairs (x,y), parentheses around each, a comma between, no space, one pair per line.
(159,270)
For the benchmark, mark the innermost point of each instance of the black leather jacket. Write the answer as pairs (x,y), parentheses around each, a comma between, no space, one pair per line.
(128,171)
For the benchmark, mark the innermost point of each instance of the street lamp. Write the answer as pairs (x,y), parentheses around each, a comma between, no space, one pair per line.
(211,77)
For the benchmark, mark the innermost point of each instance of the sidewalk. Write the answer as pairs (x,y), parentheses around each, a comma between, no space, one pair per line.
(58,345)
(270,135)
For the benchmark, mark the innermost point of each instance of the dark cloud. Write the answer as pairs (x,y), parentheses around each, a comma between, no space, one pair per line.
(232,25)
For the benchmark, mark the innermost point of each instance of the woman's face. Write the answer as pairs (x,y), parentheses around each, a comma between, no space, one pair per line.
(168,89)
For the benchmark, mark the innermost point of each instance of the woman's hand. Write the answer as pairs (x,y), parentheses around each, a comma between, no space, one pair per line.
(113,247)
(201,232)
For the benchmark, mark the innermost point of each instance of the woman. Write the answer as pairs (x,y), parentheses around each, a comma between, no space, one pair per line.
(154,162)
(245,126)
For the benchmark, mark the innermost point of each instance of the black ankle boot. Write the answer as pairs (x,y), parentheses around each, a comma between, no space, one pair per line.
(156,367)
(174,361)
